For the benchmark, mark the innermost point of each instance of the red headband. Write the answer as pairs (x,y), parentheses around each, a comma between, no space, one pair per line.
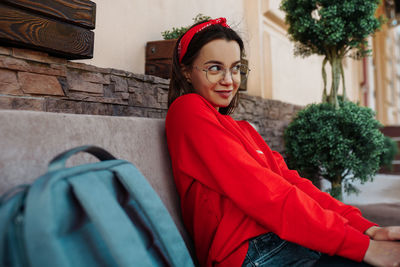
(187,37)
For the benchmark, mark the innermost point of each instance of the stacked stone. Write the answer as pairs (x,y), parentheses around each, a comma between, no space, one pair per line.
(31,80)
(270,117)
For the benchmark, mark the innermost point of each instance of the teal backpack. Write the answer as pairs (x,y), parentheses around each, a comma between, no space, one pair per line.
(96,214)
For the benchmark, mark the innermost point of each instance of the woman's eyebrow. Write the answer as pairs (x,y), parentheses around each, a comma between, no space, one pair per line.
(220,63)
(214,62)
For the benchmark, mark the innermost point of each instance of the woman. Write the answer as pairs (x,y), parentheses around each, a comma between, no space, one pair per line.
(240,202)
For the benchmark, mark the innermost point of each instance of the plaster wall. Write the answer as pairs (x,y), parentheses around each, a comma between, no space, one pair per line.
(123,27)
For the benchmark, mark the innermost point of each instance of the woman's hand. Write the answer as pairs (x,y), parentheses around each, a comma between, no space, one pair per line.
(383,253)
(390,233)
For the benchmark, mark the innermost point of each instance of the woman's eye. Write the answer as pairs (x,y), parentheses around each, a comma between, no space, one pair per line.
(236,69)
(214,68)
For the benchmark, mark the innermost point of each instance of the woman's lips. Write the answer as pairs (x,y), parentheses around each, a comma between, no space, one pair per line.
(224,93)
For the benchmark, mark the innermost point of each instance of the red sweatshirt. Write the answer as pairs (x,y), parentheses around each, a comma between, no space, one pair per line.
(233,187)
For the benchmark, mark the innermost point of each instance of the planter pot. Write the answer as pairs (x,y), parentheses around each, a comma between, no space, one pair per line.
(159,59)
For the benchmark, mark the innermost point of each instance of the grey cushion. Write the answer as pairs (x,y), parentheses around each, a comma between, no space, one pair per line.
(384,214)
(29,140)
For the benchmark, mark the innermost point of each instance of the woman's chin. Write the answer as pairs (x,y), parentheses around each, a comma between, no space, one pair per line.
(221,104)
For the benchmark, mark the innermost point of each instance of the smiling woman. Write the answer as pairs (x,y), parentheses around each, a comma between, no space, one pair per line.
(240,202)
(200,62)
(216,72)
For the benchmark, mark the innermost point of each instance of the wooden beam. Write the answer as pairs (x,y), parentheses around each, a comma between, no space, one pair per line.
(78,12)
(18,27)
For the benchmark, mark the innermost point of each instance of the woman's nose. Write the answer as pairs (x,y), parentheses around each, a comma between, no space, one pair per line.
(227,77)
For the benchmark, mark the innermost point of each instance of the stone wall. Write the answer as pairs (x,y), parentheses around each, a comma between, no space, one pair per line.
(31,80)
(270,117)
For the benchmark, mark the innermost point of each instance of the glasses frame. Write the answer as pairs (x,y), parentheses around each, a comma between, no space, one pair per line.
(243,77)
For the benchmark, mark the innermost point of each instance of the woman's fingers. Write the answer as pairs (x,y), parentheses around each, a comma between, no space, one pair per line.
(389,233)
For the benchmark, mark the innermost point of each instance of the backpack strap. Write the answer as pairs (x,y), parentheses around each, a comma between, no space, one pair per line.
(58,162)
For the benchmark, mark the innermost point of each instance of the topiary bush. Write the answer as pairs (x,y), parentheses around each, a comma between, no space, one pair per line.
(339,144)
(389,153)
(332,29)
(337,140)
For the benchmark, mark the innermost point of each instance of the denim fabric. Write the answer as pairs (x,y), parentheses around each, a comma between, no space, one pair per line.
(336,261)
(270,250)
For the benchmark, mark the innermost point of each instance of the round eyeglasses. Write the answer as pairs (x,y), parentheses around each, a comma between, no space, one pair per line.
(216,73)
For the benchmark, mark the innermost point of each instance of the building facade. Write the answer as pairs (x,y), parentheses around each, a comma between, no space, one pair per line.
(385,93)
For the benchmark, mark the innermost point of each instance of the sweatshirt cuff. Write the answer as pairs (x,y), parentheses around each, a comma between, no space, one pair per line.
(354,246)
(359,222)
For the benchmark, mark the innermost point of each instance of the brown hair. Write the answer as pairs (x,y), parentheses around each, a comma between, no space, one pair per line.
(178,84)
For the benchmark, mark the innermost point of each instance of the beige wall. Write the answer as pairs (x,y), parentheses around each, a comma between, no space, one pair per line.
(124,26)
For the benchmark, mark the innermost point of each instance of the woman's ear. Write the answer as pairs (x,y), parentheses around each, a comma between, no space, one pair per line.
(186,73)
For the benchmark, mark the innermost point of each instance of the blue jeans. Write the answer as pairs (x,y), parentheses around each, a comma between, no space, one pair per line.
(270,250)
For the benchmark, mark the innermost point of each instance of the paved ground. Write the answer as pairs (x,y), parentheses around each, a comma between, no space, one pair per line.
(384,189)
(379,201)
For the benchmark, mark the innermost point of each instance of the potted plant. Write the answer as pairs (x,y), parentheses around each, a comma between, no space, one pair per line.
(337,140)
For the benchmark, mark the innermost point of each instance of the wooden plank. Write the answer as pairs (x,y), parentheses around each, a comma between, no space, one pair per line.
(22,28)
(78,12)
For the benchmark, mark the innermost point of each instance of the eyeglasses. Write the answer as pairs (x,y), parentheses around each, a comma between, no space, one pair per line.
(216,73)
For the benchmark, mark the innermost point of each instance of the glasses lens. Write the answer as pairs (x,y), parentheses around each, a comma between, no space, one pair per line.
(215,76)
(235,72)
(238,73)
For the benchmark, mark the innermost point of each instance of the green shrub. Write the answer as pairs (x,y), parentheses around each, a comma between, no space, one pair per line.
(389,153)
(338,144)
(333,29)
(175,33)
(336,140)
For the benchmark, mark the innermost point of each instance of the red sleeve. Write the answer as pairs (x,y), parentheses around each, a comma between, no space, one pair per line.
(324,199)
(202,148)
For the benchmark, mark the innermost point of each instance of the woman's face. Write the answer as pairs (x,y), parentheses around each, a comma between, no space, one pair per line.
(206,74)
